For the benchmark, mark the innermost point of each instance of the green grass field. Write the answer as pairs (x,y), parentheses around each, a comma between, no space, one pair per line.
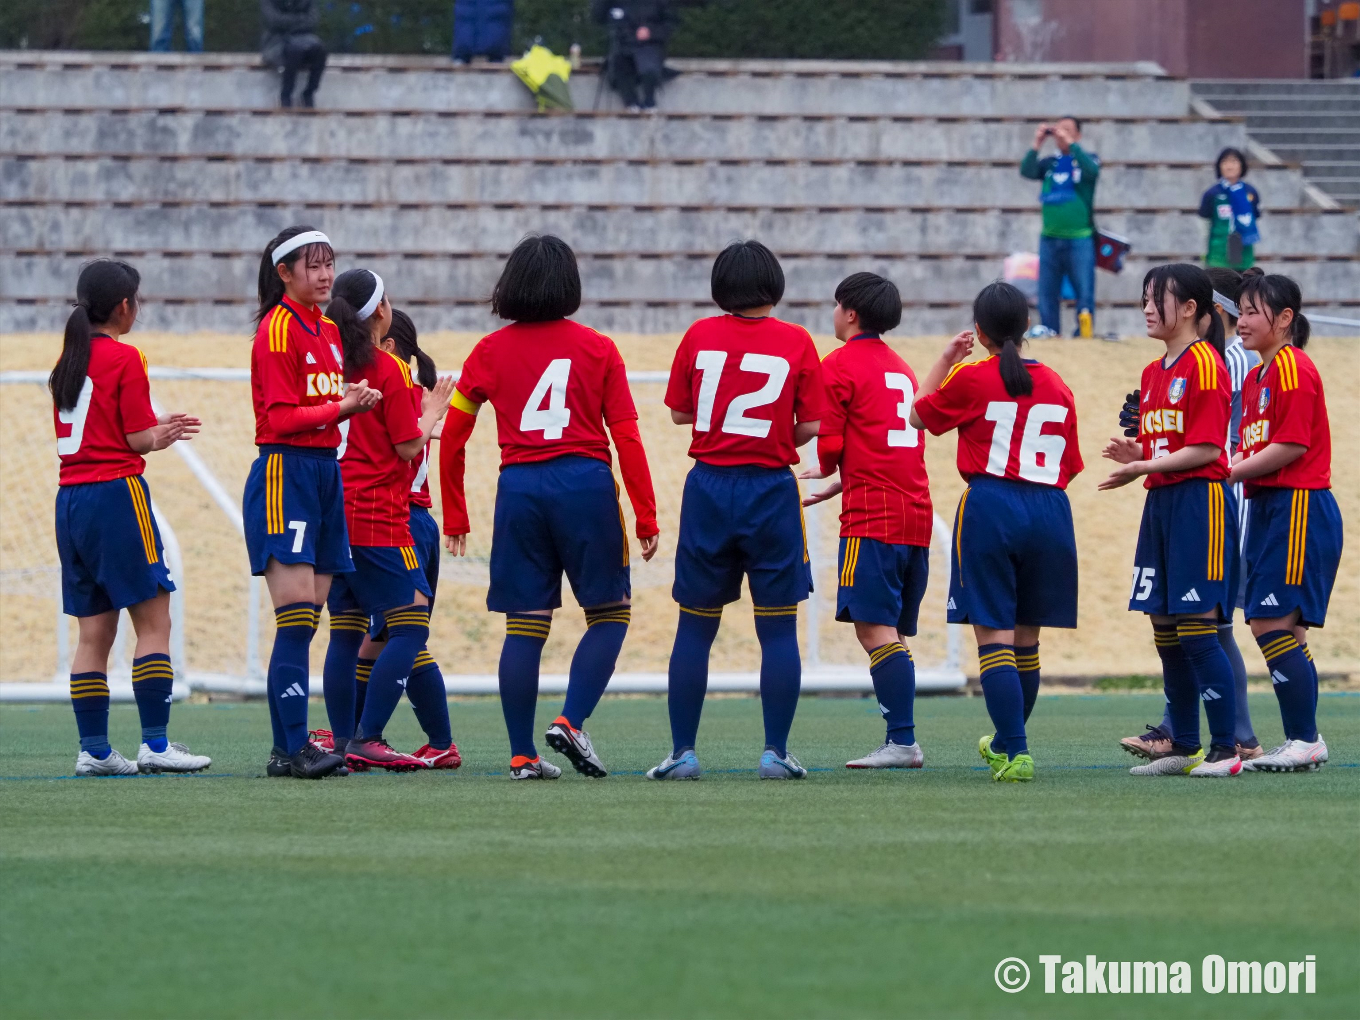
(847,895)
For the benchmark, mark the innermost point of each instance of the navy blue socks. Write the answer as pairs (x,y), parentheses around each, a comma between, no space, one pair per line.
(1005,700)
(1027,665)
(894,676)
(430,700)
(363,669)
(593,663)
(408,629)
(1242,728)
(153,682)
(781,672)
(1291,674)
(1213,677)
(525,636)
(288,673)
(90,699)
(1178,683)
(688,673)
(338,684)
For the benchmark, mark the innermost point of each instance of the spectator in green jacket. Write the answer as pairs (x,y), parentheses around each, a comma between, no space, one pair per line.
(1232,207)
(1067,240)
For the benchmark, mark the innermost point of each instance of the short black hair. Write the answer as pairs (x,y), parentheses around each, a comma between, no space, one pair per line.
(746,274)
(540,281)
(1074,120)
(874,299)
(1230,151)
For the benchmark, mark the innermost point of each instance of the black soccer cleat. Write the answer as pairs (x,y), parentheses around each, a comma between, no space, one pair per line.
(313,763)
(279,765)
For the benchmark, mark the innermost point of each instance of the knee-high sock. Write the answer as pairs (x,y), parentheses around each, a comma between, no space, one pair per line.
(1178,683)
(289,667)
(90,700)
(1292,677)
(593,663)
(894,675)
(338,684)
(363,669)
(1213,678)
(153,683)
(781,672)
(1005,699)
(687,680)
(1027,665)
(430,700)
(408,629)
(1312,665)
(1243,733)
(525,636)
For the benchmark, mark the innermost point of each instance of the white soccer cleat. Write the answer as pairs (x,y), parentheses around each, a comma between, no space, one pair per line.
(576,746)
(539,768)
(774,767)
(1221,769)
(1291,756)
(684,767)
(890,756)
(175,758)
(114,765)
(1170,765)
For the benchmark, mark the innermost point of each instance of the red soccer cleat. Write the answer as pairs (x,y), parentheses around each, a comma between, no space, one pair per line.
(323,740)
(449,758)
(365,754)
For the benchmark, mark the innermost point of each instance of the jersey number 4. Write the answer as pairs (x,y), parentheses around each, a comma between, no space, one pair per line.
(710,365)
(1033,445)
(554,418)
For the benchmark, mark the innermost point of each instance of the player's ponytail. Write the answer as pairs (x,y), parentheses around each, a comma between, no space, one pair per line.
(270,285)
(1001,314)
(103,285)
(350,295)
(402,332)
(1187,283)
(1278,293)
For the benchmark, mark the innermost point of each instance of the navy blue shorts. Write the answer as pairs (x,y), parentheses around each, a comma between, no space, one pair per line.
(1015,557)
(109,545)
(383,578)
(425,534)
(1187,559)
(1294,541)
(735,521)
(882,583)
(294,510)
(553,517)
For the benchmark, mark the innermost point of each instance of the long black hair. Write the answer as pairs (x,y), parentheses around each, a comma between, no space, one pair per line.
(1002,313)
(402,332)
(270,286)
(1187,283)
(104,284)
(540,281)
(349,293)
(1277,293)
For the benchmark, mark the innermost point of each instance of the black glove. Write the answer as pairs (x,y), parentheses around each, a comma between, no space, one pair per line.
(1128,416)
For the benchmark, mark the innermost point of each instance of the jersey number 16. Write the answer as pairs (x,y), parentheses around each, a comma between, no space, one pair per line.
(1033,444)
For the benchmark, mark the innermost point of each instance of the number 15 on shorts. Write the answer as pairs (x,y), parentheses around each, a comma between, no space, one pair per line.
(1143,578)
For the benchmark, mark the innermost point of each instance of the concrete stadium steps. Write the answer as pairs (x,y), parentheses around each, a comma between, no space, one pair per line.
(477,134)
(129,177)
(705,86)
(600,227)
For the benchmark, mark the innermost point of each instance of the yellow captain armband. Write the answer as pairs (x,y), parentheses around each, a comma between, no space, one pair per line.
(461,403)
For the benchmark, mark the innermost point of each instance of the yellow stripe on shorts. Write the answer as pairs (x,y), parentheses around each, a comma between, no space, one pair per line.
(143,513)
(1298,537)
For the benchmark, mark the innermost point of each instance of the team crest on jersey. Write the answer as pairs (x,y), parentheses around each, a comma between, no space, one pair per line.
(1263,401)
(1176,390)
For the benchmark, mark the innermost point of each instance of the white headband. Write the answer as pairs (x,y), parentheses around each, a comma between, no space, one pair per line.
(1228,304)
(375,300)
(297,241)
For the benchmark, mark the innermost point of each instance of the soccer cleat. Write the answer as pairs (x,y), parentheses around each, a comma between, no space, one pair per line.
(448,758)
(175,758)
(890,756)
(1019,769)
(1155,743)
(279,764)
(323,739)
(313,763)
(1172,764)
(684,767)
(378,753)
(774,767)
(575,745)
(1220,763)
(1291,756)
(114,765)
(533,768)
(995,761)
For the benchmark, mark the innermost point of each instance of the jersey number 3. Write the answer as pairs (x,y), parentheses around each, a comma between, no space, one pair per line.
(554,418)
(1033,445)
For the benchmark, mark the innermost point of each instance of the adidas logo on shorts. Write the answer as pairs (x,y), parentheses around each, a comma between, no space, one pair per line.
(1190,596)
(1270,600)
(951,605)
(294,691)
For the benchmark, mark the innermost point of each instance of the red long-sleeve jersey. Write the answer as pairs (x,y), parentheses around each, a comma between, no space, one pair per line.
(295,367)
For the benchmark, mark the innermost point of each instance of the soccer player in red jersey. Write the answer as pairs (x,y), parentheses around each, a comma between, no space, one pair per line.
(886,516)
(389,579)
(1184,574)
(1294,532)
(751,386)
(556,386)
(107,538)
(1014,569)
(293,508)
